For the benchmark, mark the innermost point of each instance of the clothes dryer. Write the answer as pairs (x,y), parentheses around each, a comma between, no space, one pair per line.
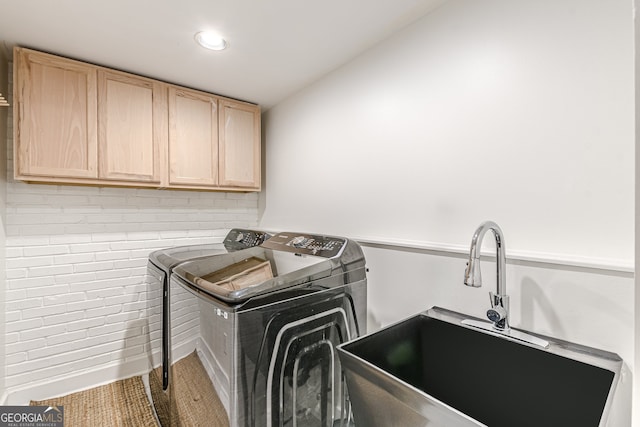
(270,319)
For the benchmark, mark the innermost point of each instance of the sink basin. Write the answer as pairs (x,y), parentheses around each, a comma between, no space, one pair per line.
(432,370)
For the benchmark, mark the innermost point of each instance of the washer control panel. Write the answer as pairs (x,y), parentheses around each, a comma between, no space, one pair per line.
(241,239)
(306,244)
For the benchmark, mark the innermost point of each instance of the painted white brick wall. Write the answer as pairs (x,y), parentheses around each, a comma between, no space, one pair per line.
(76,261)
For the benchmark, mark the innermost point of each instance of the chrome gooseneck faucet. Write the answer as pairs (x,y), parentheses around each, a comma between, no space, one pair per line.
(499,311)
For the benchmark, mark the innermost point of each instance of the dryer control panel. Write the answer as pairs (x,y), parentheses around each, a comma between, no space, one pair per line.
(241,239)
(306,244)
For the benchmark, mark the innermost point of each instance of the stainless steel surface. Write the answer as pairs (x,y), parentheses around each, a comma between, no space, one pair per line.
(236,239)
(512,334)
(307,269)
(269,348)
(499,311)
(433,370)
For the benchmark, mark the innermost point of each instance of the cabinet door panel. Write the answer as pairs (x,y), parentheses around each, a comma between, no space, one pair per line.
(239,145)
(130,131)
(193,138)
(56,132)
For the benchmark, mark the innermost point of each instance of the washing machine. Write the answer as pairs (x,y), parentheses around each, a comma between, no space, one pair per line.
(271,317)
(160,266)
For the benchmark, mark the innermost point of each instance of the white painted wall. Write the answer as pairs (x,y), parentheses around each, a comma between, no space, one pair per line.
(78,311)
(636,382)
(519,112)
(514,111)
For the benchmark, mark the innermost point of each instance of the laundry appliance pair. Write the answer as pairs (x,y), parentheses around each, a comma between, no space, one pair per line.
(264,314)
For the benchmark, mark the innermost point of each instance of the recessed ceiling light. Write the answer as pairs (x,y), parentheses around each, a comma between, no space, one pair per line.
(210,40)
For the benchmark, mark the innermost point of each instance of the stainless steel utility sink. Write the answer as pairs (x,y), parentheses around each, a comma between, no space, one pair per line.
(432,370)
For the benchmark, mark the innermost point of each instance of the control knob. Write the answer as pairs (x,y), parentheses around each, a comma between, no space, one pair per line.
(299,241)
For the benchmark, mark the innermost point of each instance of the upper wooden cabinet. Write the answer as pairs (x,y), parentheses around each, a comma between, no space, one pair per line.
(83,124)
(239,144)
(55,112)
(193,138)
(131,127)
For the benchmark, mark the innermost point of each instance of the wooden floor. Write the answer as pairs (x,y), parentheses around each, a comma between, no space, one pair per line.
(193,399)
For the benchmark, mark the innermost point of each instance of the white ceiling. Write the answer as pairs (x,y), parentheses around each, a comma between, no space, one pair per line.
(276,47)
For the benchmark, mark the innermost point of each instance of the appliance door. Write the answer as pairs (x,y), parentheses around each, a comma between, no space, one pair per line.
(159,376)
(298,381)
(157,282)
(239,276)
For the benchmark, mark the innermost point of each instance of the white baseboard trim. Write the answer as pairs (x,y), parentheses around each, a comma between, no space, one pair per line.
(85,380)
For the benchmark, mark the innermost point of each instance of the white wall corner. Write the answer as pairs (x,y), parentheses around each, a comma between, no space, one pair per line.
(636,377)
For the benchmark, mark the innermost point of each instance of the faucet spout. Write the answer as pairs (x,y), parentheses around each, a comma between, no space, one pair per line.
(499,312)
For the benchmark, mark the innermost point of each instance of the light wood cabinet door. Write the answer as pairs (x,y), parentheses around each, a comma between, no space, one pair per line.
(131,127)
(55,117)
(239,145)
(193,138)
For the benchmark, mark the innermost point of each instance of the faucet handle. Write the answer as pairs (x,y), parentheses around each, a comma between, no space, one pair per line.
(499,311)
(496,314)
